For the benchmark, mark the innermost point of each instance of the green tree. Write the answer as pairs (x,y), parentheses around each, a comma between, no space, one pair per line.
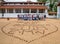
(53,5)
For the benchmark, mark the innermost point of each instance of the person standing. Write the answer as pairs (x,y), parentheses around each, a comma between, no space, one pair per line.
(18,17)
(44,17)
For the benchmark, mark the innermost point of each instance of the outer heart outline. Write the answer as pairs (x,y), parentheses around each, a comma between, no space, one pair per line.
(31,40)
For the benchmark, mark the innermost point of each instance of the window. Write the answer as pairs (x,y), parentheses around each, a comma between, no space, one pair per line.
(30,3)
(35,3)
(25,3)
(25,10)
(41,11)
(52,14)
(33,10)
(18,10)
(2,10)
(9,10)
(40,4)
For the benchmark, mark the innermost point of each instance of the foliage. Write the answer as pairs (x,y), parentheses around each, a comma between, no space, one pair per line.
(41,0)
(52,5)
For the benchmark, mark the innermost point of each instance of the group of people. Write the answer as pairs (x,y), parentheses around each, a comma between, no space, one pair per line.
(31,17)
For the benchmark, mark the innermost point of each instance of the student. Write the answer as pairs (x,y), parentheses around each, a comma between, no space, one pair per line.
(44,17)
(38,17)
(32,17)
(18,17)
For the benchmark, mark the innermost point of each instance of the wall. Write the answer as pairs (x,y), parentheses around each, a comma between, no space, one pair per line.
(19,0)
(58,12)
(0,15)
(52,16)
(14,15)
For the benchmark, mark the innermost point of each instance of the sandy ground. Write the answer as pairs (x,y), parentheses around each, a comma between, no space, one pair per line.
(29,32)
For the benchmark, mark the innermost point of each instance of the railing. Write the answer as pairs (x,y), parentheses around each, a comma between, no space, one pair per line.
(25,4)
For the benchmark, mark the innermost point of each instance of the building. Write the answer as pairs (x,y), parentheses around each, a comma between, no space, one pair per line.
(12,9)
(52,14)
(58,10)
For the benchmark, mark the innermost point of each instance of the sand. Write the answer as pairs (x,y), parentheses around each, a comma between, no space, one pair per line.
(29,32)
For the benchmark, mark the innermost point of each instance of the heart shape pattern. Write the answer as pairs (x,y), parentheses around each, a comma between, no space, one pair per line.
(28,32)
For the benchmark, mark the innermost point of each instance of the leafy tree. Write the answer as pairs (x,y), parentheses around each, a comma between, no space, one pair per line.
(41,0)
(52,5)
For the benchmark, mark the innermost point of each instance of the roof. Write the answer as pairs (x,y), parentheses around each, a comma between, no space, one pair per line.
(52,13)
(23,6)
(23,2)
(58,4)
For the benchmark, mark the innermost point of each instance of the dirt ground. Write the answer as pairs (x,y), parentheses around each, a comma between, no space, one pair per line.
(29,32)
